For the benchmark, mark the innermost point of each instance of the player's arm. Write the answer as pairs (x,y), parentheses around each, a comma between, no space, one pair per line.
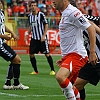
(27,33)
(5,36)
(92,37)
(45,31)
(96,27)
(45,23)
(12,33)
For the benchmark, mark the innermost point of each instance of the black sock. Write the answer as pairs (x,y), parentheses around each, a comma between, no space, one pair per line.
(8,82)
(9,75)
(82,94)
(16,73)
(33,62)
(50,61)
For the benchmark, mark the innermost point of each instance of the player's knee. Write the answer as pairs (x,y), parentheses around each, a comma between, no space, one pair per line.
(16,60)
(31,55)
(47,55)
(59,78)
(78,86)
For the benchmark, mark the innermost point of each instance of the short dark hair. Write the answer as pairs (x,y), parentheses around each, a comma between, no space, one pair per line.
(33,2)
(72,2)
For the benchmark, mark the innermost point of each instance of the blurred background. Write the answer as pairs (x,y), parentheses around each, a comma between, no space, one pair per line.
(16,16)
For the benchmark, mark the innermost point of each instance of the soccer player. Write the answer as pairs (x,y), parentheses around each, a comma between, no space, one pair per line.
(38,27)
(9,55)
(84,76)
(74,54)
(90,73)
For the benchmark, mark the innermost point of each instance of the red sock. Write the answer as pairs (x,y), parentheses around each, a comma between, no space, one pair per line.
(65,83)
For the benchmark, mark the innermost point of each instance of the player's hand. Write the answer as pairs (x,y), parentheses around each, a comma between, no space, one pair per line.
(15,36)
(6,36)
(93,59)
(58,63)
(25,38)
(43,38)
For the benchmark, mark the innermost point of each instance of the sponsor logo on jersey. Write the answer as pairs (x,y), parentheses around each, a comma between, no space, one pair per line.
(78,13)
(82,20)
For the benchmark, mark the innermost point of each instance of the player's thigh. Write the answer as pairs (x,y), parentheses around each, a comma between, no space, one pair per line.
(16,60)
(34,46)
(80,83)
(44,47)
(89,72)
(7,52)
(62,74)
(97,69)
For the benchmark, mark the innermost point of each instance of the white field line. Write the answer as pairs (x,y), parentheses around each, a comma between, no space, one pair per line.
(16,95)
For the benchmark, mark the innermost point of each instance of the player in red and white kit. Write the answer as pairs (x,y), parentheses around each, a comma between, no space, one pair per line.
(74,55)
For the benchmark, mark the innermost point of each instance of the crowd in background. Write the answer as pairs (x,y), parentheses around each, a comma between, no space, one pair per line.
(89,7)
(20,8)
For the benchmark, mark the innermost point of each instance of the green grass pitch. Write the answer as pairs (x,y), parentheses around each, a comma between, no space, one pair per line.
(42,86)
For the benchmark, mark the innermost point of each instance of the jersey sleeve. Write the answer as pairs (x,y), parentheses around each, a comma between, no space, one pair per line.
(79,20)
(43,18)
(29,19)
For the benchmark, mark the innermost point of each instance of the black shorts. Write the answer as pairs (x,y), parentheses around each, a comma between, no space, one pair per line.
(37,45)
(90,73)
(6,52)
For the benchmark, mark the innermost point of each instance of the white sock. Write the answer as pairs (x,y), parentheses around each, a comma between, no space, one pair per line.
(69,92)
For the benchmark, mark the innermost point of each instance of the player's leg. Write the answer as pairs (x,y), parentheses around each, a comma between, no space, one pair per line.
(16,73)
(68,73)
(9,75)
(50,61)
(15,60)
(87,74)
(34,48)
(45,50)
(82,94)
(65,84)
(33,63)
(8,56)
(80,83)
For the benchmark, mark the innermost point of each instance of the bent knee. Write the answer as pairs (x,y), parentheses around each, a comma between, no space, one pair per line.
(78,86)
(16,60)
(59,78)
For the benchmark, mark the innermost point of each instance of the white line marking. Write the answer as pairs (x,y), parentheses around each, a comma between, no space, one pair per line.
(16,95)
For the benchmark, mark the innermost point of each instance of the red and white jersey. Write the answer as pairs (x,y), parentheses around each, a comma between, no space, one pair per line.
(71,29)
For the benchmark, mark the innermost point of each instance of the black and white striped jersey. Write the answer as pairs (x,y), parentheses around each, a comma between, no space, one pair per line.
(37,23)
(86,37)
(2,25)
(95,19)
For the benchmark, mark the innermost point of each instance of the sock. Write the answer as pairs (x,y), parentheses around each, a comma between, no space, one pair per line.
(9,75)
(82,94)
(67,90)
(76,92)
(50,61)
(16,73)
(33,62)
